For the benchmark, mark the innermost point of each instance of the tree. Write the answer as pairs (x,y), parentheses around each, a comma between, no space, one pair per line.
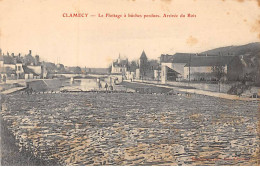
(77,70)
(60,68)
(50,67)
(218,72)
(133,66)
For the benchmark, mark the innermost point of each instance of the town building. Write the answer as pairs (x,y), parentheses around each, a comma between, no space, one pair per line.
(157,75)
(119,66)
(130,75)
(11,66)
(146,68)
(169,74)
(200,67)
(137,74)
(143,65)
(18,67)
(178,61)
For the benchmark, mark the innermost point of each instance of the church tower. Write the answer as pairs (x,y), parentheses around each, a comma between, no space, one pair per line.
(143,64)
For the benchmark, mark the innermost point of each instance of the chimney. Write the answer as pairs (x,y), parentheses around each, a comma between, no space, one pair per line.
(19,55)
(30,52)
(13,55)
(37,60)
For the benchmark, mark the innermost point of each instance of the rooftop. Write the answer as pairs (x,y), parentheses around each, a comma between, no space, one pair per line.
(209,61)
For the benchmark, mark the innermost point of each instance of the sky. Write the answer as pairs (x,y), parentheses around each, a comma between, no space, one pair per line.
(93,41)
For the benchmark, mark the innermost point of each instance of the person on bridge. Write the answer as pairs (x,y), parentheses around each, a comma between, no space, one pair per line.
(99,85)
(111,87)
(106,86)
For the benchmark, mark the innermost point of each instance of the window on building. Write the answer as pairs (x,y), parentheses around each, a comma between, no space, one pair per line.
(19,68)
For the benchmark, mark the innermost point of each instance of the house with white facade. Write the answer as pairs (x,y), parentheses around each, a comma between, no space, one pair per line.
(18,67)
(193,66)
(119,66)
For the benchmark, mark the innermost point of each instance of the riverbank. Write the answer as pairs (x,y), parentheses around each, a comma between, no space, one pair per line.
(186,90)
(38,85)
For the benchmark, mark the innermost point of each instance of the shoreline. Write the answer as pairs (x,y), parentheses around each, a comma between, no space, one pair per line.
(54,84)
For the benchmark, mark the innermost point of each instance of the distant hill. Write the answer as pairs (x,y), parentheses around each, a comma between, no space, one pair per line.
(251,49)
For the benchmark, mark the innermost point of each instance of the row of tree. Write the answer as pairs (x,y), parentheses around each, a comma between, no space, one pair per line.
(60,68)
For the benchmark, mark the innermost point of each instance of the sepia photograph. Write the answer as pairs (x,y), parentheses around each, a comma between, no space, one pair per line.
(129,83)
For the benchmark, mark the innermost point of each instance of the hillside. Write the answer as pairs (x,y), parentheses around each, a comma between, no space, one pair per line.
(251,49)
